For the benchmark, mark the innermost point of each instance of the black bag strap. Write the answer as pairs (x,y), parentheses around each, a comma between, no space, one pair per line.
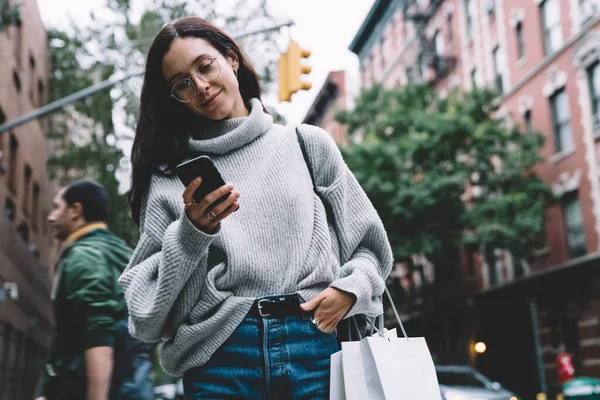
(328,211)
(303,148)
(346,326)
(353,323)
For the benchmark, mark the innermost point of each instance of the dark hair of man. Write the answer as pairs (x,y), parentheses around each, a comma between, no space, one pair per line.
(165,125)
(92,196)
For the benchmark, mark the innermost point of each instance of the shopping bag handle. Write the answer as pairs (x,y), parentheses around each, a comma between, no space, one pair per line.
(389,296)
(379,321)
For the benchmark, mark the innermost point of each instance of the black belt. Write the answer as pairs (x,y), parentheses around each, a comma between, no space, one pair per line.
(277,306)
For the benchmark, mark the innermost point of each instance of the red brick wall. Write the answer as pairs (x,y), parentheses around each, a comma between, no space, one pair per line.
(26,323)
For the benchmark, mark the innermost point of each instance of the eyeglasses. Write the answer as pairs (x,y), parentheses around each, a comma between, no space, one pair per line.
(185,89)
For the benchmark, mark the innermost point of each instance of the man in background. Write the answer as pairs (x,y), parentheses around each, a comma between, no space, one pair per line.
(91,355)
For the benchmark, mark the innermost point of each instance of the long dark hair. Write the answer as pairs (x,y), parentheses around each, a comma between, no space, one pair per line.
(164,125)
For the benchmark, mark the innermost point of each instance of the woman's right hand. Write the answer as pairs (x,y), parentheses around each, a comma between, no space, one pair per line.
(204,215)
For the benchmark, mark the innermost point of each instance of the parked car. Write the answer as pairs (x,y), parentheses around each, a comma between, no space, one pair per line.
(464,383)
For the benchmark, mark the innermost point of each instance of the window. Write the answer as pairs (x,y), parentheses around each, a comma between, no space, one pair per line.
(40,89)
(498,69)
(587,9)
(17,43)
(10,210)
(573,224)
(35,206)
(461,379)
(32,80)
(2,155)
(450,28)
(552,30)
(528,122)
(520,40)
(12,162)
(438,42)
(542,239)
(492,269)
(16,81)
(26,185)
(561,121)
(474,78)
(23,231)
(594,80)
(518,267)
(469,18)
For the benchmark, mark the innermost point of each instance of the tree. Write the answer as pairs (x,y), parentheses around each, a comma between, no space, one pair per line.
(445,174)
(92,137)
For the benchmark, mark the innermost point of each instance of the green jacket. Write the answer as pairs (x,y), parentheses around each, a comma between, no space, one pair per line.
(87,299)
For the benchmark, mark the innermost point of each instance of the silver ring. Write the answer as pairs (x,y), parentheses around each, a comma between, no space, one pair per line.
(211,215)
(315,321)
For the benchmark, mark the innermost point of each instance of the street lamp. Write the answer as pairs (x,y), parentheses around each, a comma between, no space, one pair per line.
(480,347)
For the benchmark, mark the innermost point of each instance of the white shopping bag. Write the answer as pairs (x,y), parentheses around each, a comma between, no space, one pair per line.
(385,367)
(399,369)
(355,386)
(336,379)
(347,379)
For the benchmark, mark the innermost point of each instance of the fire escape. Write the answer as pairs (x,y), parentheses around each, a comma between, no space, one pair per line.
(428,58)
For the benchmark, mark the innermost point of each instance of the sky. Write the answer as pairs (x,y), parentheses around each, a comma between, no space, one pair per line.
(326,27)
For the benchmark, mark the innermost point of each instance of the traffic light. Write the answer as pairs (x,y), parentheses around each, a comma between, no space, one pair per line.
(290,70)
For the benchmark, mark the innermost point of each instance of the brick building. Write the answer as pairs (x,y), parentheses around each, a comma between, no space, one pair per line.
(544,57)
(332,97)
(27,248)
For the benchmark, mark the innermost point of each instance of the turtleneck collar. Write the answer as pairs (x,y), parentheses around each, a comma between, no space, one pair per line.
(224,136)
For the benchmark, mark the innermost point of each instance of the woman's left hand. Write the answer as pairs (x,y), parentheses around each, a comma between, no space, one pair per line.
(330,306)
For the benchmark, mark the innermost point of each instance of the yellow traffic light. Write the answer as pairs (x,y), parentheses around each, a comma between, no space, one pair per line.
(290,69)
(296,68)
(282,67)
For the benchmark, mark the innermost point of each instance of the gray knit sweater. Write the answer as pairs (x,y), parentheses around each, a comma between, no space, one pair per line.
(190,290)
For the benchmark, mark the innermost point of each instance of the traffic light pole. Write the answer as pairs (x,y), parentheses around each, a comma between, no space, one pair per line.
(60,103)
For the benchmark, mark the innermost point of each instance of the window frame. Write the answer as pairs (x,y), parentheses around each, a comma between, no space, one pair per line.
(594,97)
(28,176)
(469,18)
(557,126)
(547,30)
(498,73)
(520,36)
(528,120)
(575,249)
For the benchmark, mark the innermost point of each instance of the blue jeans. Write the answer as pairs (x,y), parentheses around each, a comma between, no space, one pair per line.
(139,386)
(267,358)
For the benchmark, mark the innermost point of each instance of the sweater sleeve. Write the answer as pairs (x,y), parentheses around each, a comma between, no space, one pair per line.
(366,255)
(168,252)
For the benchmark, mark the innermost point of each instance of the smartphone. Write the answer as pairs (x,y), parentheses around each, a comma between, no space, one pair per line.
(203,167)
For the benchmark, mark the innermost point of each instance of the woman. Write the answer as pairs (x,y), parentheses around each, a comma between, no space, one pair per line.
(245,300)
